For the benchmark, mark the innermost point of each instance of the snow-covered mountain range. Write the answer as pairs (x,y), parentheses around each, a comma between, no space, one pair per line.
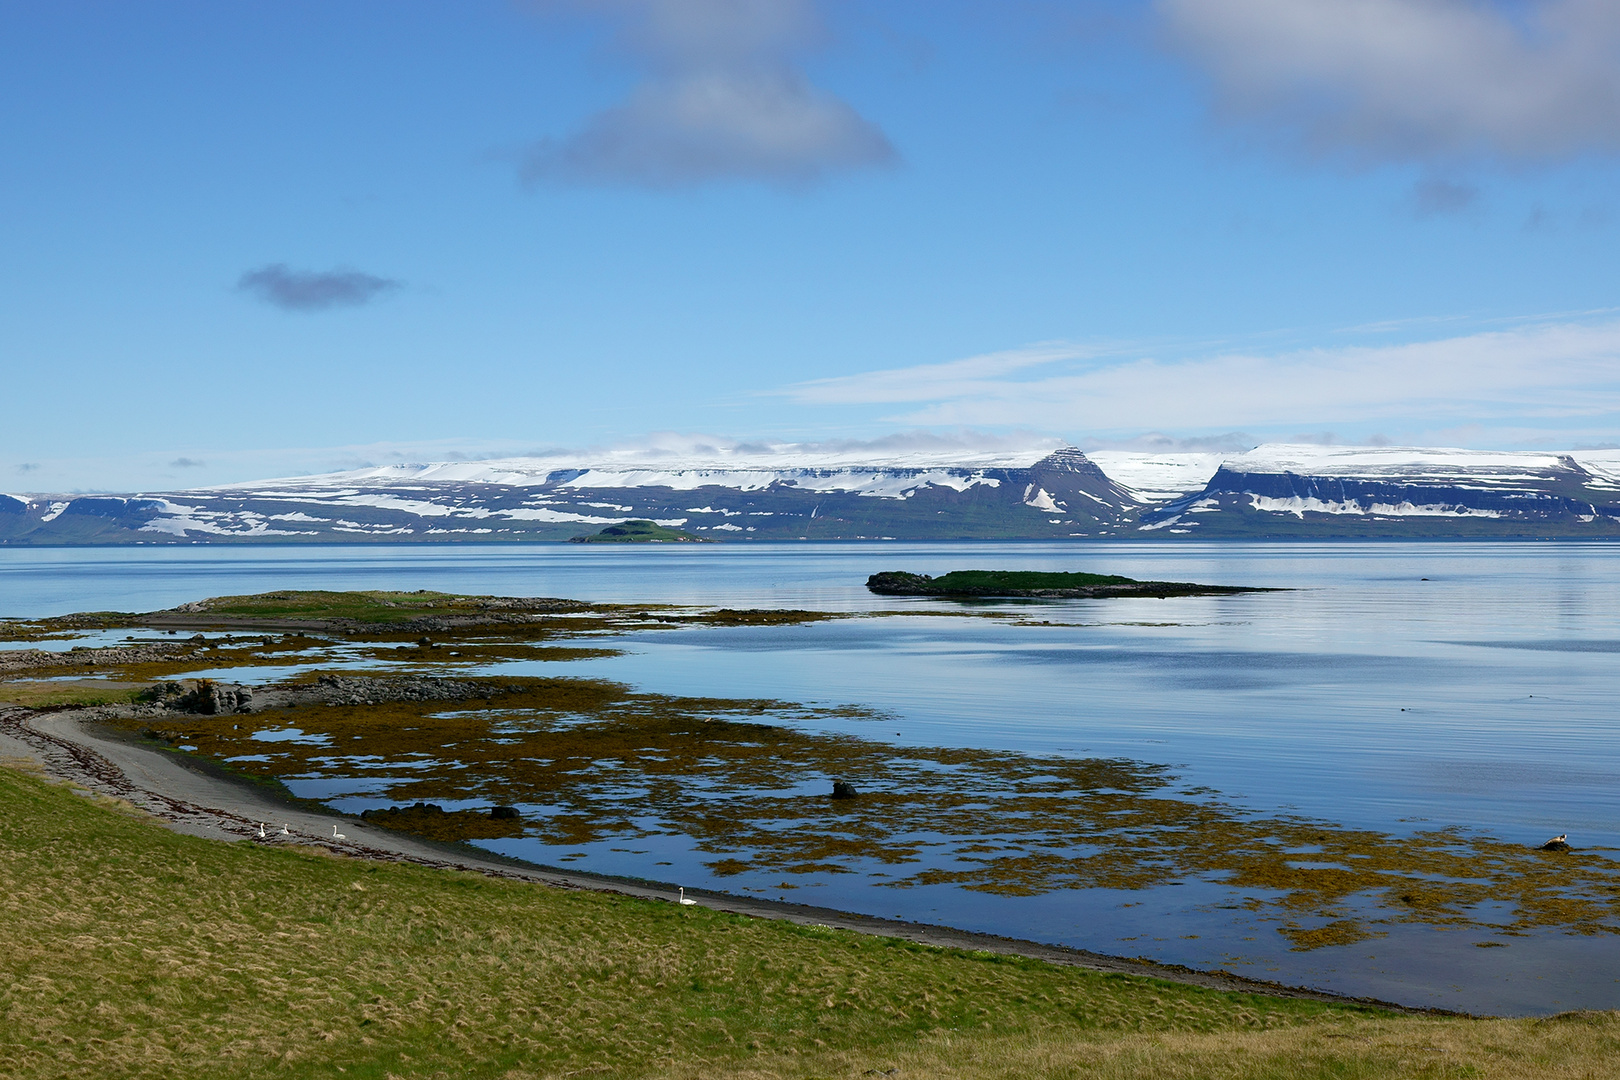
(779,493)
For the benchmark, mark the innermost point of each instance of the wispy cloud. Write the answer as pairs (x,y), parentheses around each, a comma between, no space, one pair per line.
(313,290)
(964,444)
(154,470)
(1559,373)
(723,97)
(1415,80)
(932,382)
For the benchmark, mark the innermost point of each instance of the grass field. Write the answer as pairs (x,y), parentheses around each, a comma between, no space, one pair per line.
(39,694)
(127,950)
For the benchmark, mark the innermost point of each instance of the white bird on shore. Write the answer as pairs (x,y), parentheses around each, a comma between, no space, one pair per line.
(261,831)
(285,831)
(337,835)
(684,901)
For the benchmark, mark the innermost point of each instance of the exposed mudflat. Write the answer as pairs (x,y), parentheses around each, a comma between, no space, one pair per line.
(76,746)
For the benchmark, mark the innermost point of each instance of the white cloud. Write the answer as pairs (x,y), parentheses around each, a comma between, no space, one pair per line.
(931,382)
(161,470)
(723,99)
(152,472)
(922,448)
(1559,373)
(1416,80)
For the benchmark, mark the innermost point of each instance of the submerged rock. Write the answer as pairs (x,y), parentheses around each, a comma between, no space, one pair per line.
(436,823)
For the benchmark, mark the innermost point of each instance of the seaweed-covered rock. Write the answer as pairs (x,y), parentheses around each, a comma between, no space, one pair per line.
(205,696)
(843,789)
(367,690)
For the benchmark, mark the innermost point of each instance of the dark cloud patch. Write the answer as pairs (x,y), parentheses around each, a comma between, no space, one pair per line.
(313,290)
(187,463)
(1433,196)
(723,97)
(29,466)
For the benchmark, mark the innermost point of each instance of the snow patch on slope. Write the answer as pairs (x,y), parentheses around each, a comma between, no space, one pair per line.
(897,484)
(1041,501)
(750,462)
(1298,507)
(1604,464)
(1158,477)
(1395,462)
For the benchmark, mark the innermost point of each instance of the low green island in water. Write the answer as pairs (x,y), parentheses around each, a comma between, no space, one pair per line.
(1039,584)
(641,532)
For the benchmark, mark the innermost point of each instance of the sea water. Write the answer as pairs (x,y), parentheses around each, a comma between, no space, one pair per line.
(1391,687)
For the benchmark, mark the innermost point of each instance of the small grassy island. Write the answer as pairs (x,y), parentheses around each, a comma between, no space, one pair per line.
(1034,583)
(641,532)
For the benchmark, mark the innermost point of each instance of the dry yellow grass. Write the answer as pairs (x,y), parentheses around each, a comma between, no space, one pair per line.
(1575,1046)
(130,951)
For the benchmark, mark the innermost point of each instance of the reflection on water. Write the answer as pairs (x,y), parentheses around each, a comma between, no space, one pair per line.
(754,793)
(1480,700)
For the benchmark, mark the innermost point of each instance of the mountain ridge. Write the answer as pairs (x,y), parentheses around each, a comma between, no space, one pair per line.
(1279,491)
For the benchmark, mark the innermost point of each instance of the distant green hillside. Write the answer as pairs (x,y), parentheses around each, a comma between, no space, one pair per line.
(641,532)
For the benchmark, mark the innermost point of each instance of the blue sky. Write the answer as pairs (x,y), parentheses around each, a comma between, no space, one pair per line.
(250,239)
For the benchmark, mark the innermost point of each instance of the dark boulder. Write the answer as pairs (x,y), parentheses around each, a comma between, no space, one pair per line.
(504,813)
(205,696)
(843,789)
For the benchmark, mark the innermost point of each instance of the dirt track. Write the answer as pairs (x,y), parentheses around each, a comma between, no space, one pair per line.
(71,745)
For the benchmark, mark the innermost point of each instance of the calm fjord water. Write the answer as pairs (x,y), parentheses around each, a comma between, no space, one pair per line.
(1396,687)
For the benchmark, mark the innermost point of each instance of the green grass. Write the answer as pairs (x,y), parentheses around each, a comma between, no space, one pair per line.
(986,580)
(127,950)
(44,694)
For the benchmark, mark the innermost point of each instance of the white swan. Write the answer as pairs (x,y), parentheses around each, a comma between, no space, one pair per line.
(261,831)
(684,901)
(337,835)
(285,831)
